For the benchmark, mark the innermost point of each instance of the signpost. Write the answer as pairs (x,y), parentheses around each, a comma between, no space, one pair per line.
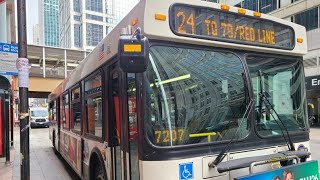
(8,57)
(23,68)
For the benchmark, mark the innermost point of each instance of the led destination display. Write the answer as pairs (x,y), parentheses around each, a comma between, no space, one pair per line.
(209,23)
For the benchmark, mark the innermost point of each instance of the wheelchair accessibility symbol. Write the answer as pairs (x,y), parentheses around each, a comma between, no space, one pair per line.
(186,171)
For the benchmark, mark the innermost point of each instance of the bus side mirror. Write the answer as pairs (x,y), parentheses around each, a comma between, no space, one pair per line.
(133,53)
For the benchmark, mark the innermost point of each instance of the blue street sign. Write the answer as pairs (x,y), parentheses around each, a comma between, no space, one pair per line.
(9,73)
(9,48)
(186,171)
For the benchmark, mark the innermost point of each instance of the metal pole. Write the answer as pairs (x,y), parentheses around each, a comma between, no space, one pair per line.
(44,61)
(6,121)
(65,63)
(11,116)
(23,70)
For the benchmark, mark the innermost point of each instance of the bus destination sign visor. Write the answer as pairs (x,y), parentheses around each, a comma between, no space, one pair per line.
(215,24)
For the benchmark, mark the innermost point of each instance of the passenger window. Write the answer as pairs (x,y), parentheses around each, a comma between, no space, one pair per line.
(93,97)
(76,110)
(65,111)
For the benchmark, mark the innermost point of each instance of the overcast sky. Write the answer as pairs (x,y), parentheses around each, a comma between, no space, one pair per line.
(32,17)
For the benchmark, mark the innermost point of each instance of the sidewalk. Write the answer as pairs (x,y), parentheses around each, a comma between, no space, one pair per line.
(7,170)
(44,164)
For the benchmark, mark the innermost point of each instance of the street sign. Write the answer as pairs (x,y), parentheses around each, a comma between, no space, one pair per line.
(8,58)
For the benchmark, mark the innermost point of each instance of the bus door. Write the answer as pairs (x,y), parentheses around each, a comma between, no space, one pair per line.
(58,122)
(115,125)
(125,133)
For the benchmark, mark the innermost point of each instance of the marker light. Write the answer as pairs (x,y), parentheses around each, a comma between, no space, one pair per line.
(257,14)
(132,48)
(134,22)
(241,11)
(225,7)
(160,17)
(300,40)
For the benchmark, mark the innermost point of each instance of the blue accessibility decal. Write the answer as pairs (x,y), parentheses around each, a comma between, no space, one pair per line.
(10,48)
(186,171)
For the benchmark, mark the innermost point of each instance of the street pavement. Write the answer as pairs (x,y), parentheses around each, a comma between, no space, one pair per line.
(44,164)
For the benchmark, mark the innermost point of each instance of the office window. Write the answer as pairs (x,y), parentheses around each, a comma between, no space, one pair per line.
(75,110)
(77,6)
(308,19)
(65,111)
(77,18)
(77,35)
(94,17)
(93,98)
(94,5)
(264,6)
(267,6)
(94,34)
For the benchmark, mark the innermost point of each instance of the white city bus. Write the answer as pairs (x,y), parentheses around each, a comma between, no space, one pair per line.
(185,89)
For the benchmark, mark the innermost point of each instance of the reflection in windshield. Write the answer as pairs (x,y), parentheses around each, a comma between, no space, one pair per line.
(39,113)
(194,96)
(282,83)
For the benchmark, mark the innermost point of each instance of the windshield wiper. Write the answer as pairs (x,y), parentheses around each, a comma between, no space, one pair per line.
(223,154)
(264,99)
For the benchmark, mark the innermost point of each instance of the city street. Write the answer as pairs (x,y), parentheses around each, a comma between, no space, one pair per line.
(44,164)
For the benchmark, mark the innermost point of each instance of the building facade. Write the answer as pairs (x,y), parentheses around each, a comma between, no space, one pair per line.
(49,22)
(84,23)
(35,34)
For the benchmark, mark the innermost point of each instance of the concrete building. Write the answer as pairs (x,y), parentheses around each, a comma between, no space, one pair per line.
(7,21)
(49,22)
(35,33)
(84,23)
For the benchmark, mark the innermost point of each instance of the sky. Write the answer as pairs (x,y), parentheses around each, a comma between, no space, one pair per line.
(32,17)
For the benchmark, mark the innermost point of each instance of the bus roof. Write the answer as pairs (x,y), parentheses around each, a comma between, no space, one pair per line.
(144,16)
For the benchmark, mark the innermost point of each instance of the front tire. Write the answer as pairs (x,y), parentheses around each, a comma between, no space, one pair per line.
(97,171)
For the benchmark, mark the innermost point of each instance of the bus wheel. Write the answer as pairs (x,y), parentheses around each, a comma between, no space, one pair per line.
(97,171)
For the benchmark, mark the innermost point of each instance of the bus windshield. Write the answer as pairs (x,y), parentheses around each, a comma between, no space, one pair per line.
(194,96)
(283,86)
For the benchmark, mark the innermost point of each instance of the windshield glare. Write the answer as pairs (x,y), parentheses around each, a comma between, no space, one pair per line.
(39,113)
(283,86)
(194,96)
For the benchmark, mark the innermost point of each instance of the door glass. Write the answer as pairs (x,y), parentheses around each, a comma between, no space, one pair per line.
(133,132)
(116,124)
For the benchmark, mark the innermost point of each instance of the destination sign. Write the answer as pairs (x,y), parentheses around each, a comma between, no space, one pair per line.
(209,23)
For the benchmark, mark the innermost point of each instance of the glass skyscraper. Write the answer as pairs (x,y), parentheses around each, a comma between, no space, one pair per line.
(49,22)
(84,23)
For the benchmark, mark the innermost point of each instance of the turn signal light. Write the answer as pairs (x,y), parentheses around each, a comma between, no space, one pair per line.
(134,22)
(300,40)
(160,17)
(225,7)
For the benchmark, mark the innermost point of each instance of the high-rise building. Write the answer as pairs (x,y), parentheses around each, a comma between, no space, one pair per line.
(35,33)
(84,23)
(122,8)
(49,22)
